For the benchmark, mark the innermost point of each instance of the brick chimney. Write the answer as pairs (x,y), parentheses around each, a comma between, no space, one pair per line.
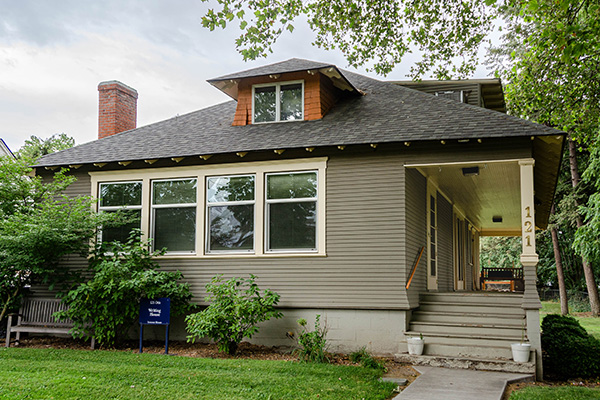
(117,108)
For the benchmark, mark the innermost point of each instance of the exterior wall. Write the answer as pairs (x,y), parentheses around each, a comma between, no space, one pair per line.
(445,245)
(380,331)
(319,95)
(416,232)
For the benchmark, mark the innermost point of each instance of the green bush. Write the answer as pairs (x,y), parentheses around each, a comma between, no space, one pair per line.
(365,359)
(107,305)
(313,344)
(568,350)
(236,307)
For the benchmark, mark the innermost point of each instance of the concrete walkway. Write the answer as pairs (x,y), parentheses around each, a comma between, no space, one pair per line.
(459,384)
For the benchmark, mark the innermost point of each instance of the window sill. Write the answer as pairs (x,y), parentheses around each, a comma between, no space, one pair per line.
(238,255)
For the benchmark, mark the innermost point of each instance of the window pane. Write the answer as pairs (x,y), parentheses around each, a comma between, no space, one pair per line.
(231,227)
(121,233)
(291,102)
(230,188)
(175,229)
(120,194)
(174,192)
(433,271)
(264,104)
(292,225)
(292,186)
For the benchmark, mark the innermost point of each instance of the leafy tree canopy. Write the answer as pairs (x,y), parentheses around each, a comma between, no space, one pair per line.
(36,147)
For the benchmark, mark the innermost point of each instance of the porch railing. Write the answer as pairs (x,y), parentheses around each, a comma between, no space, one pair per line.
(514,276)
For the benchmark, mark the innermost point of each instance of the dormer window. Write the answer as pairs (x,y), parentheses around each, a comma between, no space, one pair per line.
(278,102)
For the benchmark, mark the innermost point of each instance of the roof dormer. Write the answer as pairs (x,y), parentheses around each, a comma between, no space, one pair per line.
(293,90)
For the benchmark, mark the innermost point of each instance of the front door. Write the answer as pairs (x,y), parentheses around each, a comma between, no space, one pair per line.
(459,252)
(432,239)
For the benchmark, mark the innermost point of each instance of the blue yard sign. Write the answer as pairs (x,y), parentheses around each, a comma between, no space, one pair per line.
(155,312)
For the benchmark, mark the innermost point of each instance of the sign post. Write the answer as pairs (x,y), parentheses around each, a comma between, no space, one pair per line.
(155,312)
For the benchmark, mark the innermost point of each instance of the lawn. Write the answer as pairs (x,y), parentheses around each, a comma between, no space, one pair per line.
(70,374)
(591,324)
(556,393)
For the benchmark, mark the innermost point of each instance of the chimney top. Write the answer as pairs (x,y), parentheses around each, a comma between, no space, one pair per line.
(117,108)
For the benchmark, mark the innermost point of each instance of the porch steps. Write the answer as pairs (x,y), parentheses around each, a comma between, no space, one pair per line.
(471,363)
(475,325)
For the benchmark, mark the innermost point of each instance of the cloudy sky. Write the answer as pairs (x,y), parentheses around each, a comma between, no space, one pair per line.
(53,54)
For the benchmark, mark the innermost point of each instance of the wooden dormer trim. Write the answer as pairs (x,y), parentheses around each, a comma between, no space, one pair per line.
(319,95)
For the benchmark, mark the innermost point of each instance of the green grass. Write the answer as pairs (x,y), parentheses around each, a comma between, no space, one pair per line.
(75,374)
(591,324)
(555,393)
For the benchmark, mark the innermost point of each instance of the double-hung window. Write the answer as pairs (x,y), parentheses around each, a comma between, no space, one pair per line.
(278,102)
(174,215)
(116,196)
(291,211)
(230,213)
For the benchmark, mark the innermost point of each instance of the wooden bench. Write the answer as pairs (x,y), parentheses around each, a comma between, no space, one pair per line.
(36,315)
(512,276)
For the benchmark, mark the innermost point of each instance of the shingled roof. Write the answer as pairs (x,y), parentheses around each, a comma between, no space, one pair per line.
(386,113)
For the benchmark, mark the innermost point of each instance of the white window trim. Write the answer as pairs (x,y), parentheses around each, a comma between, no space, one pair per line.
(207,205)
(277,100)
(173,205)
(259,168)
(294,200)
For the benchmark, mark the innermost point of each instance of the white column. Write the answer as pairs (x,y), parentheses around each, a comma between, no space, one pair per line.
(529,260)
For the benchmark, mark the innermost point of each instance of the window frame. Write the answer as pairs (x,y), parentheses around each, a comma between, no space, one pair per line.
(102,208)
(257,168)
(153,207)
(206,227)
(277,86)
(267,213)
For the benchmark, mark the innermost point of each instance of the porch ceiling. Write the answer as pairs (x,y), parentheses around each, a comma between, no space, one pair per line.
(494,192)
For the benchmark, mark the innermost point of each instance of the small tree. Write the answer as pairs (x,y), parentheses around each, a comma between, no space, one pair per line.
(38,227)
(107,305)
(237,306)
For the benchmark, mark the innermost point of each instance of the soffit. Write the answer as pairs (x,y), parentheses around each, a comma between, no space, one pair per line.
(494,192)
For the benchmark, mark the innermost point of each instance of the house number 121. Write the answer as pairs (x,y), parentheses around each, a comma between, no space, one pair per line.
(528,227)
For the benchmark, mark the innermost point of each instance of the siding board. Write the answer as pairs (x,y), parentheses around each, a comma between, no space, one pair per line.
(445,245)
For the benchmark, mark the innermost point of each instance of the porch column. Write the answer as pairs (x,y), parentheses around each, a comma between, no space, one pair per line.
(529,260)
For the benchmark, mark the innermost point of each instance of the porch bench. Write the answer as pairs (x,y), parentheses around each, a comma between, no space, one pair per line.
(513,276)
(36,316)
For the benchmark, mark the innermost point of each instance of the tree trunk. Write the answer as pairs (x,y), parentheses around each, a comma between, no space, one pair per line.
(560,275)
(590,281)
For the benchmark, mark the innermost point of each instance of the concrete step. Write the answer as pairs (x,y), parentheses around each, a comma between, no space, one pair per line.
(471,308)
(473,340)
(476,363)
(490,298)
(464,317)
(465,328)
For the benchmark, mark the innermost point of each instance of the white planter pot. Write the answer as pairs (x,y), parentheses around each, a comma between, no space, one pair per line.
(415,345)
(520,352)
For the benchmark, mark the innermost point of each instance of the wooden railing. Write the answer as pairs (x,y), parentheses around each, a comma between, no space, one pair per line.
(511,275)
(414,268)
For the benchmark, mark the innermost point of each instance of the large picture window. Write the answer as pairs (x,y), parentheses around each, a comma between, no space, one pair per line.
(278,102)
(116,196)
(230,213)
(174,215)
(291,211)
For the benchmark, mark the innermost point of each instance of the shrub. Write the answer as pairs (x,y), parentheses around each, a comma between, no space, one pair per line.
(107,305)
(313,344)
(236,307)
(568,350)
(363,358)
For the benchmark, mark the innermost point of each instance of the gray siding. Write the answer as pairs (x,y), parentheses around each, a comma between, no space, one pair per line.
(375,225)
(445,245)
(416,232)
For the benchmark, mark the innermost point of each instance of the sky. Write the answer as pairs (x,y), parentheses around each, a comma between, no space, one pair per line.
(53,54)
